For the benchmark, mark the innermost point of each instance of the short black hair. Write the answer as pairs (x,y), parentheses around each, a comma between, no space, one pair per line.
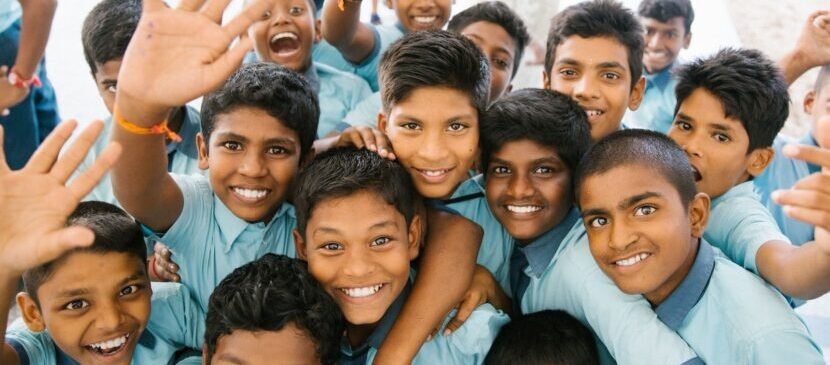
(433,59)
(545,117)
(598,19)
(549,337)
(665,10)
(282,93)
(107,31)
(344,171)
(640,147)
(498,13)
(749,86)
(268,294)
(822,79)
(115,232)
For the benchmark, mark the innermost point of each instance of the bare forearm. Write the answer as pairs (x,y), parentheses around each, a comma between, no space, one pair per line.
(800,272)
(343,30)
(37,21)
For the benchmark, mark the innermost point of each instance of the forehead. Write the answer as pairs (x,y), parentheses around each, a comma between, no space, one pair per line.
(432,103)
(592,52)
(523,151)
(704,107)
(676,23)
(338,214)
(108,70)
(82,271)
(486,34)
(252,123)
(289,345)
(622,182)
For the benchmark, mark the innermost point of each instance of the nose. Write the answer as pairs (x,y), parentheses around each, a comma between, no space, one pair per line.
(433,148)
(690,146)
(519,187)
(621,237)
(585,89)
(358,264)
(279,15)
(653,41)
(252,165)
(109,316)
(425,5)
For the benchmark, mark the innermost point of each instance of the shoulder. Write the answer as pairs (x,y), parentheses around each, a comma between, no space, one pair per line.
(468,344)
(33,348)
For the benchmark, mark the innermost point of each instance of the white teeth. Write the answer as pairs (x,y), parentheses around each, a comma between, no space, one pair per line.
(434,173)
(594,113)
(250,193)
(361,292)
(111,344)
(524,209)
(633,260)
(282,35)
(425,19)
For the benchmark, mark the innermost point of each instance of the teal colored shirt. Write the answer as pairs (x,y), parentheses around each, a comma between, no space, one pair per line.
(366,112)
(10,11)
(656,111)
(385,35)
(730,316)
(155,346)
(183,157)
(338,93)
(783,173)
(739,225)
(466,346)
(208,241)
(625,324)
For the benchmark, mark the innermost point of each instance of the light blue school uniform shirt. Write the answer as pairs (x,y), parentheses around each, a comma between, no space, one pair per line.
(466,346)
(366,112)
(625,324)
(385,35)
(183,157)
(656,111)
(730,316)
(783,173)
(338,93)
(208,241)
(496,244)
(10,11)
(739,225)
(168,308)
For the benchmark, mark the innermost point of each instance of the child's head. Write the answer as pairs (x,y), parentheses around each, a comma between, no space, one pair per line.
(531,142)
(730,107)
(357,228)
(549,337)
(93,317)
(416,15)
(500,34)
(817,105)
(668,25)
(641,210)
(106,33)
(271,311)
(287,36)
(433,88)
(595,55)
(255,131)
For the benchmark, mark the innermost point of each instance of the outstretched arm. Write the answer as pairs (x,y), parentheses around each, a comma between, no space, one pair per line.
(34,33)
(812,48)
(343,30)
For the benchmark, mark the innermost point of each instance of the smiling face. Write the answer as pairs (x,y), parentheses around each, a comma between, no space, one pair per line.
(499,48)
(415,15)
(663,41)
(716,145)
(595,73)
(528,189)
(286,37)
(289,346)
(106,80)
(434,134)
(252,158)
(93,318)
(361,260)
(639,232)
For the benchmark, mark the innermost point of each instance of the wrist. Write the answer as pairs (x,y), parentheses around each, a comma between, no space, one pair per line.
(138,112)
(23,80)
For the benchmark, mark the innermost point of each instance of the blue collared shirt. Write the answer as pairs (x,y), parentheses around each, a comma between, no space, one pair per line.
(10,11)
(656,111)
(468,345)
(730,316)
(338,93)
(366,112)
(783,173)
(385,35)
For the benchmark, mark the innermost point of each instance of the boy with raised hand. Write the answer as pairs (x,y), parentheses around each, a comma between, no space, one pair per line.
(363,261)
(645,223)
(668,26)
(726,122)
(595,56)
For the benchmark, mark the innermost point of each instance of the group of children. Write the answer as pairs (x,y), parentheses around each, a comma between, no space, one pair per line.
(454,221)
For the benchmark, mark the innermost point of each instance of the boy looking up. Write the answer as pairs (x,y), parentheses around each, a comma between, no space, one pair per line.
(668,25)
(363,261)
(726,123)
(595,56)
(645,221)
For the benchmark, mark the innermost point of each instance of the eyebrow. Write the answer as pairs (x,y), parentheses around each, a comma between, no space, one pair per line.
(630,201)
(499,48)
(82,291)
(550,159)
(455,117)
(241,138)
(716,126)
(231,358)
(332,230)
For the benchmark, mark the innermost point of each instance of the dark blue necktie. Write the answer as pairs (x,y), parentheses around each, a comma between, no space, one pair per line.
(518,280)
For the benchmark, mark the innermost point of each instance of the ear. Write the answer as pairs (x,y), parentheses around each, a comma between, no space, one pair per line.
(699,214)
(546,80)
(637,92)
(415,230)
(299,245)
(382,122)
(318,31)
(30,313)
(201,146)
(759,160)
(509,89)
(687,39)
(809,100)
(205,355)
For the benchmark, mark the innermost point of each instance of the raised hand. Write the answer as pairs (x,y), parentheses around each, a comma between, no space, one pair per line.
(36,199)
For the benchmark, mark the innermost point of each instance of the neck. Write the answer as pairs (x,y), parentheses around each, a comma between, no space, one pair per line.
(357,334)
(663,291)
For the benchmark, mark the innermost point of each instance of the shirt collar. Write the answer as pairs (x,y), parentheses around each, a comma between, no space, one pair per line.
(543,248)
(313,78)
(680,302)
(384,326)
(660,79)
(744,188)
(232,226)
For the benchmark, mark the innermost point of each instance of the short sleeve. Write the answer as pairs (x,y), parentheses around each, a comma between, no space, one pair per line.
(176,317)
(32,348)
(784,347)
(365,113)
(467,345)
(196,215)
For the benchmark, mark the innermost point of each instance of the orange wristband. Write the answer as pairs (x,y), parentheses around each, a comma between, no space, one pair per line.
(160,128)
(342,4)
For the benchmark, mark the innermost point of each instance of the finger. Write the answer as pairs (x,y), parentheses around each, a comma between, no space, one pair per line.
(75,154)
(817,182)
(229,62)
(255,11)
(214,9)
(148,6)
(187,5)
(384,145)
(368,138)
(814,155)
(58,242)
(87,180)
(43,158)
(813,217)
(4,167)
(354,136)
(464,311)
(802,198)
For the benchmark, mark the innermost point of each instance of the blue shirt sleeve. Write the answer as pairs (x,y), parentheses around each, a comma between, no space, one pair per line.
(366,112)
(783,347)
(196,215)
(32,348)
